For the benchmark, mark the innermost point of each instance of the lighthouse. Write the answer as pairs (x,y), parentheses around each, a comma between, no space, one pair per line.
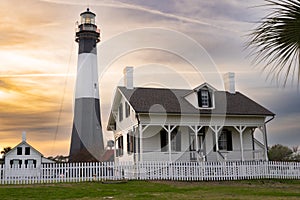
(87,138)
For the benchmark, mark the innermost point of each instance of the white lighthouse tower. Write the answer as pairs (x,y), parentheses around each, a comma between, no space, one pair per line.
(87,138)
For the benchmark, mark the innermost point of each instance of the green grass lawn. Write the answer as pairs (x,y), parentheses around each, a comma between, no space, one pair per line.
(254,189)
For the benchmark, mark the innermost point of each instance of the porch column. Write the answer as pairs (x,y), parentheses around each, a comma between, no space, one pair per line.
(241,129)
(264,132)
(169,130)
(216,130)
(141,143)
(115,149)
(169,143)
(141,131)
(216,139)
(266,142)
(196,139)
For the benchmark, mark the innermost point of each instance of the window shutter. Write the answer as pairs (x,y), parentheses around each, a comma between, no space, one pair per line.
(199,98)
(209,99)
(128,143)
(34,163)
(122,145)
(120,112)
(163,140)
(178,141)
(229,141)
(134,144)
(119,143)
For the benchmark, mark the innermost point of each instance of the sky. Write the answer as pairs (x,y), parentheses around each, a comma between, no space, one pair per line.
(170,43)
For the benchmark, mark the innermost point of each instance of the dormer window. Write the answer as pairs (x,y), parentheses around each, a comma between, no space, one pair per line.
(204,98)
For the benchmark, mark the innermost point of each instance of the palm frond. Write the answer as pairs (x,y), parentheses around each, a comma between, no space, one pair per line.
(275,42)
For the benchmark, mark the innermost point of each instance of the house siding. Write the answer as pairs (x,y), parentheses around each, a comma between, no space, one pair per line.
(128,124)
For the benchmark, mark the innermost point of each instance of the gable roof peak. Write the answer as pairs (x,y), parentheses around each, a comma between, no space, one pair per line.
(205,84)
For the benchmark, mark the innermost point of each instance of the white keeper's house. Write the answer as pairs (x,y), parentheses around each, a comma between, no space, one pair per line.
(24,159)
(200,124)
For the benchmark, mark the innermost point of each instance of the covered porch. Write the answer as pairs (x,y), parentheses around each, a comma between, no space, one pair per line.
(199,142)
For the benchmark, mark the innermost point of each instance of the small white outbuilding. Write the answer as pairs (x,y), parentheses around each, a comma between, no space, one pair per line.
(25,158)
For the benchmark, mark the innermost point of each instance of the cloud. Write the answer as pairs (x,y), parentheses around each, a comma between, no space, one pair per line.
(125,5)
(285,129)
(19,27)
(30,104)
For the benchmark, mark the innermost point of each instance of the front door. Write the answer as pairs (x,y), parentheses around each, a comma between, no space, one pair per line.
(194,152)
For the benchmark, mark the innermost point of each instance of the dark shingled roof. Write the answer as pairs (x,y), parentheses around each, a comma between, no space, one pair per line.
(172,101)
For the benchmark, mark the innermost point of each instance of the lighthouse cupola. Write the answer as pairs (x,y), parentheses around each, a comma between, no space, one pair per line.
(87,17)
(87,27)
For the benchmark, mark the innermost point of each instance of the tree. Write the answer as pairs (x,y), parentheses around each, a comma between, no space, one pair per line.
(59,158)
(279,152)
(5,150)
(276,41)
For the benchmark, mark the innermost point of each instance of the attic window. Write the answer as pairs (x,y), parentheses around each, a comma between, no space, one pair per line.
(19,150)
(27,150)
(204,98)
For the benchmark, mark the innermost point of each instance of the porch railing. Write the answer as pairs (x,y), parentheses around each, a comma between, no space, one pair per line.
(236,155)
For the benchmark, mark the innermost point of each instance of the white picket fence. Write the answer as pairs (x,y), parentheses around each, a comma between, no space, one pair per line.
(183,171)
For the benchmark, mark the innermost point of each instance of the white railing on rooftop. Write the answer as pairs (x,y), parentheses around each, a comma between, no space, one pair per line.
(183,171)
